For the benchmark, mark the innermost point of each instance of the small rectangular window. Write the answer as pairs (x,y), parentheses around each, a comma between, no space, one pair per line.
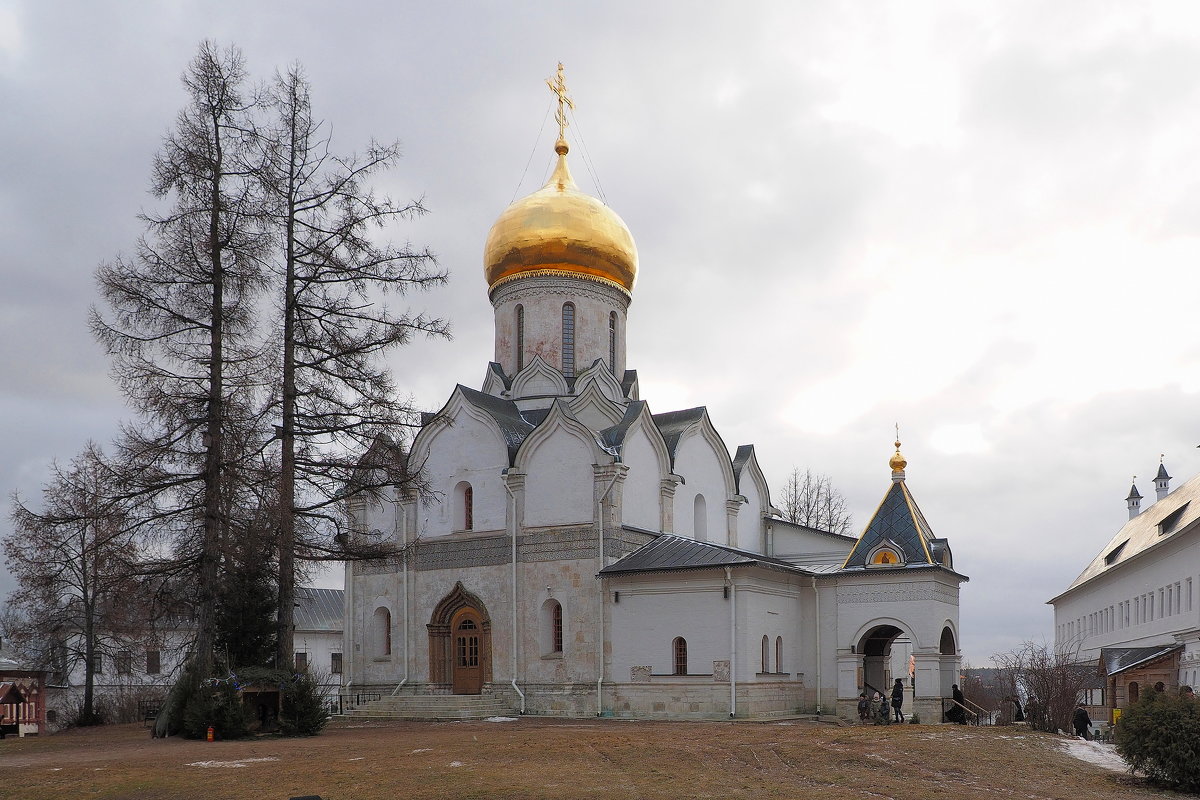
(301,661)
(335,663)
(97,664)
(124,662)
(153,665)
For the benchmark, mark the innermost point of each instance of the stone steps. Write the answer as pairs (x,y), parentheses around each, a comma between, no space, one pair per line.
(432,707)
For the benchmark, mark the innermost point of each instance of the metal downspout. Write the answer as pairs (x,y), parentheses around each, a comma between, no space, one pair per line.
(817,594)
(600,595)
(512,516)
(732,642)
(404,572)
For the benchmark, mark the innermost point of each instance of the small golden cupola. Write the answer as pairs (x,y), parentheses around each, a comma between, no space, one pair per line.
(559,230)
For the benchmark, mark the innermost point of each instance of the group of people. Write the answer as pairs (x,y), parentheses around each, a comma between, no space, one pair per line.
(877,707)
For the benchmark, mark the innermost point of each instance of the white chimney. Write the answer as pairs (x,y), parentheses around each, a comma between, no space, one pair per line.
(1134,500)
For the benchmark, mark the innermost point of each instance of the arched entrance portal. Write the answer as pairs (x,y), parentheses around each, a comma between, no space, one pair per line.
(460,643)
(876,650)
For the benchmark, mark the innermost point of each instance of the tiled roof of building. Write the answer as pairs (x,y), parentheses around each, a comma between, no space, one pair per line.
(1119,659)
(672,424)
(319,609)
(506,414)
(899,523)
(1175,515)
(668,552)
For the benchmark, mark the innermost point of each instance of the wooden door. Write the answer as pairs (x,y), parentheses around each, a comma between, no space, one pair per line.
(467,638)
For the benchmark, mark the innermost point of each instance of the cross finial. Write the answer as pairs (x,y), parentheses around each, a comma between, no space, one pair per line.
(1161,456)
(897,434)
(559,87)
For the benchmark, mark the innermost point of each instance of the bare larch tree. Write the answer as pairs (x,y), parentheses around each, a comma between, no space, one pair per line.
(179,327)
(337,394)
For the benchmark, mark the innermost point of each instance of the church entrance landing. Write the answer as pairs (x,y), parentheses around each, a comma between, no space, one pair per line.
(460,643)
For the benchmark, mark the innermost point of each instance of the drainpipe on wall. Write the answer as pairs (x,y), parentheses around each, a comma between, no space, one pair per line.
(348,633)
(600,595)
(732,642)
(403,525)
(817,594)
(515,638)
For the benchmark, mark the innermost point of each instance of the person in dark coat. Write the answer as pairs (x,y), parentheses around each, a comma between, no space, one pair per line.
(864,708)
(898,699)
(1083,723)
(957,712)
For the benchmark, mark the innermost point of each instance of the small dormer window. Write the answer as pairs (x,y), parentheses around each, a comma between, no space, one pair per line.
(1170,521)
(1115,553)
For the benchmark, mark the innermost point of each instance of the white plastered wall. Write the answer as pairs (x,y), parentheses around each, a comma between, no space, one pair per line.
(699,462)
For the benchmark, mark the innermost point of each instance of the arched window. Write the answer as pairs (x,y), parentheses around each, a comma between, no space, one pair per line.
(679,656)
(612,341)
(382,631)
(556,633)
(700,518)
(464,507)
(766,654)
(520,337)
(568,340)
(1133,692)
(779,654)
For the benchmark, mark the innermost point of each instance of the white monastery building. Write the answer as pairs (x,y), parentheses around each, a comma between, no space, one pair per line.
(1134,609)
(580,553)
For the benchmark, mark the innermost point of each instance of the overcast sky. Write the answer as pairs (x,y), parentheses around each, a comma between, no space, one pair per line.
(981,221)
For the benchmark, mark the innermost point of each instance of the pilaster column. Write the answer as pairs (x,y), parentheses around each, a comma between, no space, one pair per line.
(667,499)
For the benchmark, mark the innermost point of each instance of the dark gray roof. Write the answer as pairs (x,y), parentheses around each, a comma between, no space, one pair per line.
(740,459)
(1162,473)
(669,552)
(614,437)
(494,367)
(672,424)
(1134,494)
(628,380)
(318,609)
(506,414)
(1119,659)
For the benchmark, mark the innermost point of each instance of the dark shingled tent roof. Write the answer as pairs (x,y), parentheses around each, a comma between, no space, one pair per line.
(898,521)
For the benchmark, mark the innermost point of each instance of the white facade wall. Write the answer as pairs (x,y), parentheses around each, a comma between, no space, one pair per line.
(750,518)
(468,449)
(653,610)
(698,461)
(559,481)
(641,494)
(1152,599)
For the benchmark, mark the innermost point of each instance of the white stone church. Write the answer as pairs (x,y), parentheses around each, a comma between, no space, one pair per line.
(585,555)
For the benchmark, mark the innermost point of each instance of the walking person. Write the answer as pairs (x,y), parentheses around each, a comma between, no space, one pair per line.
(1083,723)
(898,699)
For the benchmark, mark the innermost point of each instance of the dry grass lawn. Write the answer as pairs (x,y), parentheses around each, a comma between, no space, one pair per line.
(539,758)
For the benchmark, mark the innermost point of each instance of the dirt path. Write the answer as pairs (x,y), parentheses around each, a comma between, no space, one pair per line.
(537,758)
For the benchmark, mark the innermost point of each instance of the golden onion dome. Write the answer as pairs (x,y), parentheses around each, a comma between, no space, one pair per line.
(559,230)
(897,462)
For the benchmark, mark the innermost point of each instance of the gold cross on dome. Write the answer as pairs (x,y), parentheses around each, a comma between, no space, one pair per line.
(559,87)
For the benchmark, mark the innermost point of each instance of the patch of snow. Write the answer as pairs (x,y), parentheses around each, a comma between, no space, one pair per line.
(456,763)
(423,750)
(501,719)
(1099,753)
(239,763)
(358,758)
